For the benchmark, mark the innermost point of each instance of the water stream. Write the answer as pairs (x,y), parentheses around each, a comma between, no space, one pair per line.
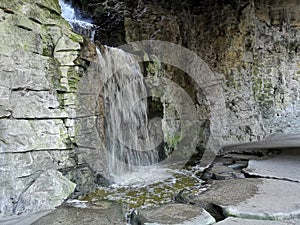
(128,142)
(85,27)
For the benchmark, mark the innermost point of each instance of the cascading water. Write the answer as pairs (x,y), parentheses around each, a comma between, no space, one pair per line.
(78,24)
(128,141)
(129,146)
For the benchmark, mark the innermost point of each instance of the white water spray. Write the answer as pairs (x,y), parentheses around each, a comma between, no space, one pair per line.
(79,25)
(129,145)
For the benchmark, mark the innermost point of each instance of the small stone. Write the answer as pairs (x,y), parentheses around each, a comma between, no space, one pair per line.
(219,172)
(238,166)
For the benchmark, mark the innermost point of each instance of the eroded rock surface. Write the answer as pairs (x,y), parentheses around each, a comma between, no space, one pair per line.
(40,68)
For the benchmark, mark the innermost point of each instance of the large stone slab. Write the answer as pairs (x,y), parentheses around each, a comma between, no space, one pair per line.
(28,135)
(25,164)
(279,141)
(239,221)
(102,214)
(32,104)
(172,214)
(284,166)
(25,73)
(35,135)
(268,199)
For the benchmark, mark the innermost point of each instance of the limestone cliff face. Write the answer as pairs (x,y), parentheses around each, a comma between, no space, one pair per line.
(39,75)
(51,109)
(255,50)
(253,45)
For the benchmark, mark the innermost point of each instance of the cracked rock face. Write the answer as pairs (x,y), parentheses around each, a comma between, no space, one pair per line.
(45,138)
(39,73)
(252,45)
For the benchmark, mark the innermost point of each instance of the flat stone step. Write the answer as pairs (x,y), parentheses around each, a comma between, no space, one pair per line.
(280,141)
(284,166)
(265,199)
(106,213)
(170,214)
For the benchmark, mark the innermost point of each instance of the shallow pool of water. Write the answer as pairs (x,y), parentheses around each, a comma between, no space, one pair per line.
(146,192)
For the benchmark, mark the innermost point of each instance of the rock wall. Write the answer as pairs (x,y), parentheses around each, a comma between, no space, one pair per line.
(252,45)
(51,105)
(275,72)
(42,62)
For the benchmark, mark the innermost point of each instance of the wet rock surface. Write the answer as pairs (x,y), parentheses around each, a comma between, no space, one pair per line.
(172,214)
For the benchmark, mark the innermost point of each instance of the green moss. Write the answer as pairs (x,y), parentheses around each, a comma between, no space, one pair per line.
(255,71)
(257,87)
(153,68)
(154,194)
(268,85)
(55,75)
(73,79)
(65,138)
(172,140)
(76,37)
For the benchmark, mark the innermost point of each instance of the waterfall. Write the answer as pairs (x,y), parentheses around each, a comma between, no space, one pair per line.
(131,153)
(78,24)
(128,141)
